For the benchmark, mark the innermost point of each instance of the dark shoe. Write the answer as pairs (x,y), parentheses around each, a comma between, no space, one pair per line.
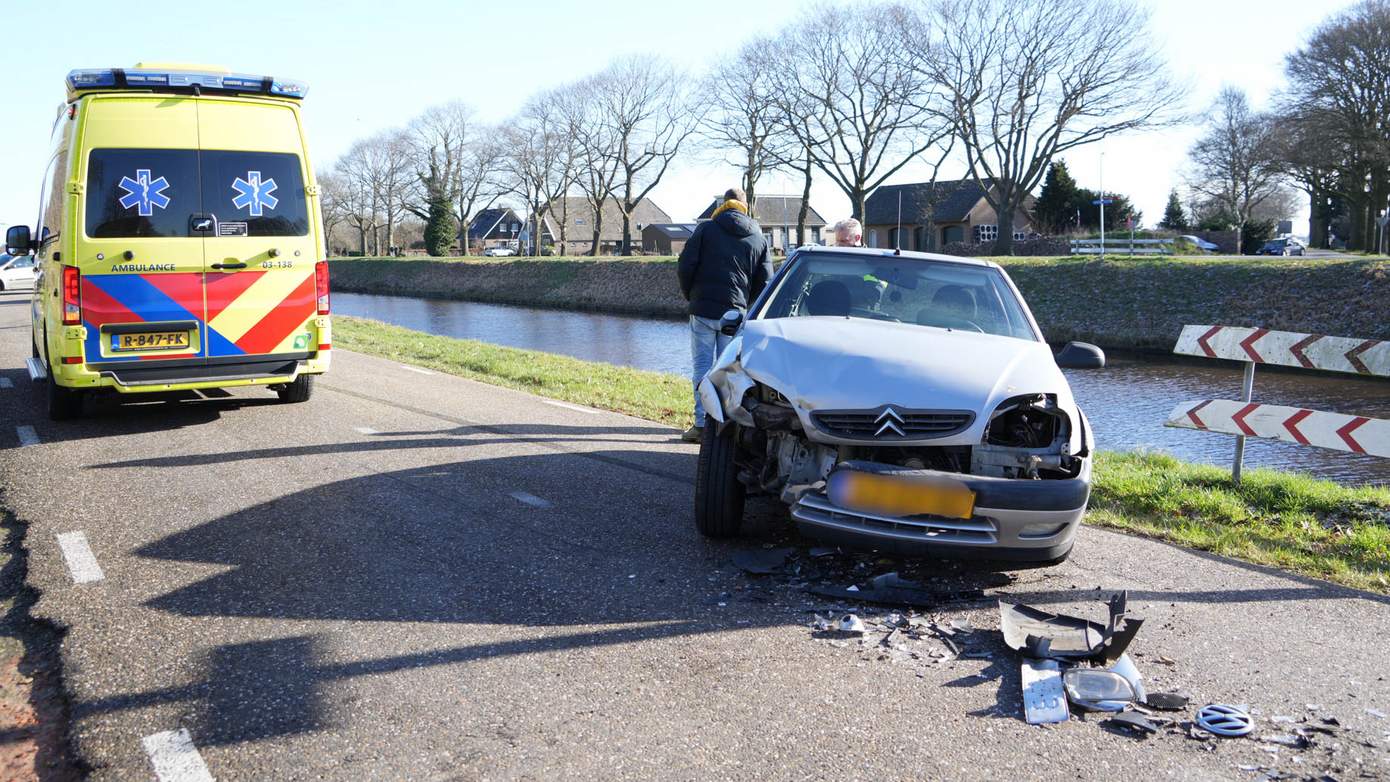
(693,435)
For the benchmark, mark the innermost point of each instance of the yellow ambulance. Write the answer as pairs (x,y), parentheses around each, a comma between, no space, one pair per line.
(179,242)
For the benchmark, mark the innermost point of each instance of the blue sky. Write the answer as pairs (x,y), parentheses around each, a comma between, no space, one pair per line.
(373,65)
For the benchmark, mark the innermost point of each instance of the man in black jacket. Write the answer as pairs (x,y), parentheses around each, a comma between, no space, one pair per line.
(723,266)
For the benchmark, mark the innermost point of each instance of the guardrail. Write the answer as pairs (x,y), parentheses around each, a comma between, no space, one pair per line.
(1244,418)
(1122,246)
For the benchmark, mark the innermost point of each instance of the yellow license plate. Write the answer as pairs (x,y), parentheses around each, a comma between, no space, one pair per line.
(896,495)
(151,340)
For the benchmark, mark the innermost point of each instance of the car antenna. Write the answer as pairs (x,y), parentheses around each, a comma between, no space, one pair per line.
(898,233)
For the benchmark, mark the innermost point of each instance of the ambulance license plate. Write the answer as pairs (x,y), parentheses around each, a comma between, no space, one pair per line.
(151,340)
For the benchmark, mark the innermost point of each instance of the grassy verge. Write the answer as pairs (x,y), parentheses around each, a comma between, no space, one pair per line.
(1291,521)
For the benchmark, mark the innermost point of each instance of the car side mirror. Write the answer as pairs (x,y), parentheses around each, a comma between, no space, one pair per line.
(18,241)
(1080,355)
(730,323)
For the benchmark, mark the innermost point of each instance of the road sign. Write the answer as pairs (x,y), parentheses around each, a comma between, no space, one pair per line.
(1337,431)
(1106,201)
(1384,219)
(1287,348)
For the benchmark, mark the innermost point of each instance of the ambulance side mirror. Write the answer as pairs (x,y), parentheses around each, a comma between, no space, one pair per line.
(18,241)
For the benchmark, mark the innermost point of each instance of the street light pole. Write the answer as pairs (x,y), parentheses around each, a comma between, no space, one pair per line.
(1102,206)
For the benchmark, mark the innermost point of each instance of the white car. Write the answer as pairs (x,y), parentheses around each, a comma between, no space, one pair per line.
(898,401)
(16,272)
(498,252)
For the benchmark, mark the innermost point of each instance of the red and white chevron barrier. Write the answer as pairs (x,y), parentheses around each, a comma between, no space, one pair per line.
(1338,431)
(1287,348)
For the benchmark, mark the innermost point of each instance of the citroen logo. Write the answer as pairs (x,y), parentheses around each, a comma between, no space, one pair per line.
(889,421)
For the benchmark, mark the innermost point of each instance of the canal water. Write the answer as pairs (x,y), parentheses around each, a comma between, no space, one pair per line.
(1127,402)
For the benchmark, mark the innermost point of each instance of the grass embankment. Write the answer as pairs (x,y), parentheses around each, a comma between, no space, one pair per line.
(1136,304)
(1301,524)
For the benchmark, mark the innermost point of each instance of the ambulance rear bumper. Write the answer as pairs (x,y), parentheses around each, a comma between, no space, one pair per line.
(132,374)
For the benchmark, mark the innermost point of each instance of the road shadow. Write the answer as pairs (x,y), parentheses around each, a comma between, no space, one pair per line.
(613,560)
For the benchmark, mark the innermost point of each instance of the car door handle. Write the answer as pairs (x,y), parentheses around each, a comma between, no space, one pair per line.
(230,265)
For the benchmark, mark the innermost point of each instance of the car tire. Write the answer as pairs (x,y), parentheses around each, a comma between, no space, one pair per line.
(299,391)
(64,404)
(719,494)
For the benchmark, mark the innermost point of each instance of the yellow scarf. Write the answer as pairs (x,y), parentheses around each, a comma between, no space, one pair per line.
(730,204)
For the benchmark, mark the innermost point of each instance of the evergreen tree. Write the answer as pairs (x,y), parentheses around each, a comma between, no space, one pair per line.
(440,225)
(1055,209)
(1174,218)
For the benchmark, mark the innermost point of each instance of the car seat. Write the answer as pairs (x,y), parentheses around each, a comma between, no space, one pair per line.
(828,297)
(950,305)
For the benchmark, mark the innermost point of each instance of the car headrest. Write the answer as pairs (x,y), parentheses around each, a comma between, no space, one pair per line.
(828,297)
(955,300)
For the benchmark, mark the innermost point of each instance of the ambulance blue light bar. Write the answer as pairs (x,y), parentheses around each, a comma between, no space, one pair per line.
(180,80)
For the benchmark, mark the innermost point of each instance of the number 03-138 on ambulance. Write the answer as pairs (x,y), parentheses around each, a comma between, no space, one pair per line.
(179,241)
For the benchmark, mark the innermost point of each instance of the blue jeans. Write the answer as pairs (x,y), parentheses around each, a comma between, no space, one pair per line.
(706,343)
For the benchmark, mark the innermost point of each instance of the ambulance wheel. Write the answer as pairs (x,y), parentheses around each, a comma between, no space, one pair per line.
(64,404)
(299,391)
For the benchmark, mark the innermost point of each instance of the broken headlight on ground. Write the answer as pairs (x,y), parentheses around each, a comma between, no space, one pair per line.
(1027,436)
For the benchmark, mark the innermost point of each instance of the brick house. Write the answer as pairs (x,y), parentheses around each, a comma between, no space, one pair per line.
(935,215)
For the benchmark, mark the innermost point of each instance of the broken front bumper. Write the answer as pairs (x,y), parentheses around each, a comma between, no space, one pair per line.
(1015,520)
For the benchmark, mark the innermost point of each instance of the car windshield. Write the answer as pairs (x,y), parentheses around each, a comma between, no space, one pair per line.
(900,290)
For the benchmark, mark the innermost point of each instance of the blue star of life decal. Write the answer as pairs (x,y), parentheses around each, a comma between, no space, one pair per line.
(254,194)
(143,193)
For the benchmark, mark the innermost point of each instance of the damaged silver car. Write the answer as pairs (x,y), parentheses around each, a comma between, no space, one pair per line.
(899,401)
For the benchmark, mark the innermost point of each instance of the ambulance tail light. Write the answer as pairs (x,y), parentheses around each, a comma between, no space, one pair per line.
(321,285)
(72,296)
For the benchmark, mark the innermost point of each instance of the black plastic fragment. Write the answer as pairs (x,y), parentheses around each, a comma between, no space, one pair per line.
(1133,722)
(1039,633)
(1166,701)
(761,561)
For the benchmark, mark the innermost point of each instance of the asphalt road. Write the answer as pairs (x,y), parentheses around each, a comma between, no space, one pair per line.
(414,576)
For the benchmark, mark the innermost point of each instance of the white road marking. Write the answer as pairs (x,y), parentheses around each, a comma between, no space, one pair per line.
(364,430)
(416,369)
(27,435)
(575,408)
(530,499)
(81,561)
(6,383)
(175,758)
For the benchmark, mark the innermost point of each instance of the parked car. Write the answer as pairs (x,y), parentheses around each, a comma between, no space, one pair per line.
(16,271)
(1201,244)
(498,252)
(898,401)
(1285,246)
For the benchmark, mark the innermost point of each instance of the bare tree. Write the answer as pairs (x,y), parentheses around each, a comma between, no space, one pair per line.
(1311,155)
(480,179)
(597,150)
(334,203)
(539,159)
(437,142)
(1343,76)
(854,101)
(1027,80)
(745,120)
(359,195)
(1237,163)
(649,117)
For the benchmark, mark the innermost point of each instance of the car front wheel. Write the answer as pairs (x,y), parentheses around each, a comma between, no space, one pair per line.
(719,495)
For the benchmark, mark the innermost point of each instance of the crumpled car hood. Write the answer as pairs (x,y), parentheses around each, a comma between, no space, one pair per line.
(834,363)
